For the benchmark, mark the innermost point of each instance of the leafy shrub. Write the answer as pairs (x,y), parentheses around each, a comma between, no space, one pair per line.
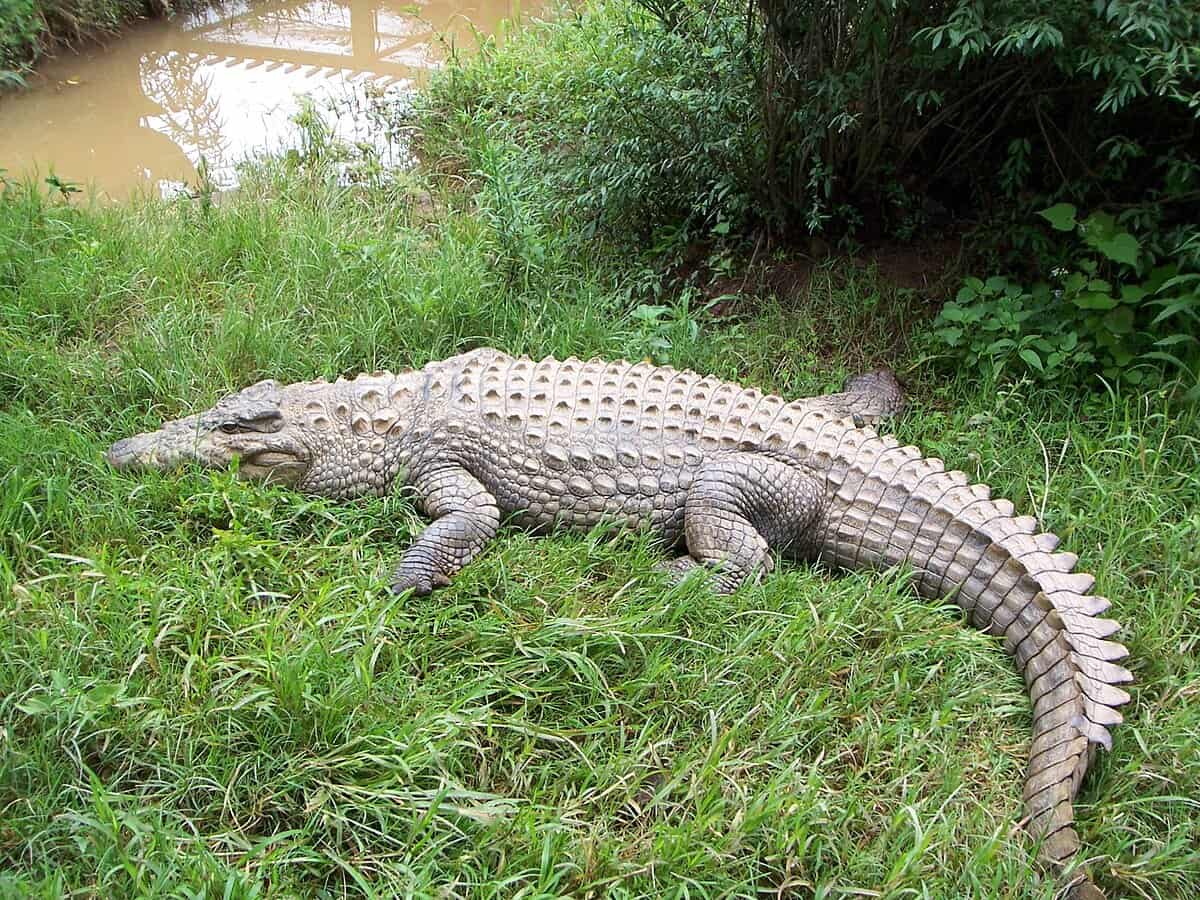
(873,118)
(632,125)
(1112,309)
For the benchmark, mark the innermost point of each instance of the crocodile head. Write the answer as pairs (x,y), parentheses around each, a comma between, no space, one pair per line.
(256,426)
(339,439)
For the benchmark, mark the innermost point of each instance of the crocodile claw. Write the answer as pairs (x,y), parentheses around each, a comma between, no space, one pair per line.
(421,584)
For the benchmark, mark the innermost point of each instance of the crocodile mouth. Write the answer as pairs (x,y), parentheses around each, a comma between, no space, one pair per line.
(275,466)
(281,461)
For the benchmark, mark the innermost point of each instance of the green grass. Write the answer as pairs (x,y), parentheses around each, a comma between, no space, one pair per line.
(206,690)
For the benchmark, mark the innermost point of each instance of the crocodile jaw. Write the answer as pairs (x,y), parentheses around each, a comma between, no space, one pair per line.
(270,458)
(167,448)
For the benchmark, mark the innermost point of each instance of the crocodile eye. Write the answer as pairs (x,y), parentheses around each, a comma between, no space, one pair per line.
(229,428)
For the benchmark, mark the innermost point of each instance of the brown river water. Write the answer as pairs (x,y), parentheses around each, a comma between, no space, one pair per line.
(224,83)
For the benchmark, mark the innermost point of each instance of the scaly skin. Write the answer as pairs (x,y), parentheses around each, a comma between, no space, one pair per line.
(729,472)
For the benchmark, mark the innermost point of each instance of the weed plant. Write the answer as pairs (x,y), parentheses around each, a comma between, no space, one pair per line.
(206,689)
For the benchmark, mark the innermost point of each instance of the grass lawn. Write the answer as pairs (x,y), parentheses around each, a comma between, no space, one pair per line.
(206,689)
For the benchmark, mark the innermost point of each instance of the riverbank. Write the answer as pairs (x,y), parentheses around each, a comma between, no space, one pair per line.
(205,686)
(173,105)
(29,29)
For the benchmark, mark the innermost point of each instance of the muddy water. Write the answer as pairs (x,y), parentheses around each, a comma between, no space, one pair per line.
(142,113)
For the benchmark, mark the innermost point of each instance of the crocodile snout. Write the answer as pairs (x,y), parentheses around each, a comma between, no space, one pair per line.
(129,452)
(121,453)
(151,450)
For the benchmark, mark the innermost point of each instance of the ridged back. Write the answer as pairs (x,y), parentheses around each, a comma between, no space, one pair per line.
(654,405)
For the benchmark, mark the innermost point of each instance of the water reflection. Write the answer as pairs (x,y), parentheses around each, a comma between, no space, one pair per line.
(222,83)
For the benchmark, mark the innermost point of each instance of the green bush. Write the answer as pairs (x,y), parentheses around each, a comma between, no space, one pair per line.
(869,118)
(630,124)
(1113,308)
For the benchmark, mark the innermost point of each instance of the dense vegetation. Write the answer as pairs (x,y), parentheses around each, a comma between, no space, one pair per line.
(678,120)
(868,118)
(206,690)
(31,28)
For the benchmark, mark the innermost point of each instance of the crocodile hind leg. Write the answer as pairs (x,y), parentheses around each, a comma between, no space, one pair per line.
(739,508)
(466,519)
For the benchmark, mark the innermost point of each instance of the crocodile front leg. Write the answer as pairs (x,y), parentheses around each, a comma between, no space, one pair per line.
(739,508)
(466,519)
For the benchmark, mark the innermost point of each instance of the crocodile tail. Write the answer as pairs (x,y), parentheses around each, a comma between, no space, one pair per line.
(887,506)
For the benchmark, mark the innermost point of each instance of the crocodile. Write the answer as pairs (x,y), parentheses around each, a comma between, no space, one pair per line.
(733,475)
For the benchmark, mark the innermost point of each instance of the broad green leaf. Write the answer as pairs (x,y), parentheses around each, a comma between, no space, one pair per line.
(1132,293)
(1094,300)
(1121,356)
(1075,281)
(1122,248)
(1099,226)
(1120,320)
(34,706)
(649,313)
(103,694)
(1061,216)
(950,335)
(1030,356)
